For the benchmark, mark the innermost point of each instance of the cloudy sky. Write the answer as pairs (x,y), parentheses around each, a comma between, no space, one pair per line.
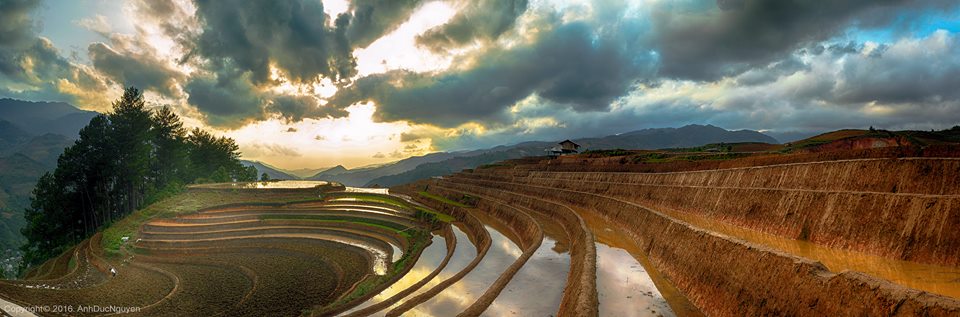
(310,83)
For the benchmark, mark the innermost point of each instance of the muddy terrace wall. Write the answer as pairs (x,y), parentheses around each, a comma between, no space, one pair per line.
(824,203)
(935,176)
(745,279)
(625,164)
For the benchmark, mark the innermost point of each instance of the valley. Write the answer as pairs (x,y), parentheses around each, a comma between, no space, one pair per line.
(601,233)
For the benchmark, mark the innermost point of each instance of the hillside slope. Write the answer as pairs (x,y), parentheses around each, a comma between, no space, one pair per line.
(271,171)
(687,136)
(45,117)
(360,176)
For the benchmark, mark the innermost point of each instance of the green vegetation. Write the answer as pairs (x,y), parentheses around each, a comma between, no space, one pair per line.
(651,158)
(122,161)
(72,264)
(192,201)
(606,153)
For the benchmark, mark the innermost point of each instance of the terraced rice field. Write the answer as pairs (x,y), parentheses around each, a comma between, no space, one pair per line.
(279,259)
(530,238)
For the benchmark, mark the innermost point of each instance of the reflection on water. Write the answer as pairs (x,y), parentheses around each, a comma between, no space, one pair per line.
(383,191)
(462,294)
(463,254)
(429,260)
(927,277)
(619,276)
(397,253)
(536,290)
(624,288)
(265,185)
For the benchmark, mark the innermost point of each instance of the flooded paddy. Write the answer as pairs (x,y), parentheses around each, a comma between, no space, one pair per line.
(429,260)
(531,292)
(285,184)
(624,287)
(502,253)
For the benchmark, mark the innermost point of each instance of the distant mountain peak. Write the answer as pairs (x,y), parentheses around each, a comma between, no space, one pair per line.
(39,117)
(272,172)
(336,170)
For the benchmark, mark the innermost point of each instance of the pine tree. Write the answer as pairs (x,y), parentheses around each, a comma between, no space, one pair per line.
(131,123)
(121,160)
(169,136)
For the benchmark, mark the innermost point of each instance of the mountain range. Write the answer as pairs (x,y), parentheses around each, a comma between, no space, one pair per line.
(271,171)
(33,134)
(646,139)
(38,118)
(444,163)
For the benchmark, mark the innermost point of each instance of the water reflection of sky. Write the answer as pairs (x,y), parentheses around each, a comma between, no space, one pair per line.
(267,185)
(428,261)
(624,288)
(462,294)
(536,290)
(384,191)
(463,254)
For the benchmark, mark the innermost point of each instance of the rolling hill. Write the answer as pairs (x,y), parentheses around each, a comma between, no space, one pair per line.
(39,118)
(361,176)
(687,136)
(273,172)
(32,136)
(305,172)
(442,163)
(11,136)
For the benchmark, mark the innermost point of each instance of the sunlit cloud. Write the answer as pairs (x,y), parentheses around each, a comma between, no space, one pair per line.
(341,81)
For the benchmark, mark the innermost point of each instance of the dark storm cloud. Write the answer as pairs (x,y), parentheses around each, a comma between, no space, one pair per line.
(32,64)
(375,18)
(904,73)
(21,51)
(483,20)
(227,100)
(16,31)
(571,65)
(296,108)
(294,34)
(705,41)
(140,70)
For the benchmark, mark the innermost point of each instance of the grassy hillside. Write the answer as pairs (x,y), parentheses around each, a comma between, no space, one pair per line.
(193,200)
